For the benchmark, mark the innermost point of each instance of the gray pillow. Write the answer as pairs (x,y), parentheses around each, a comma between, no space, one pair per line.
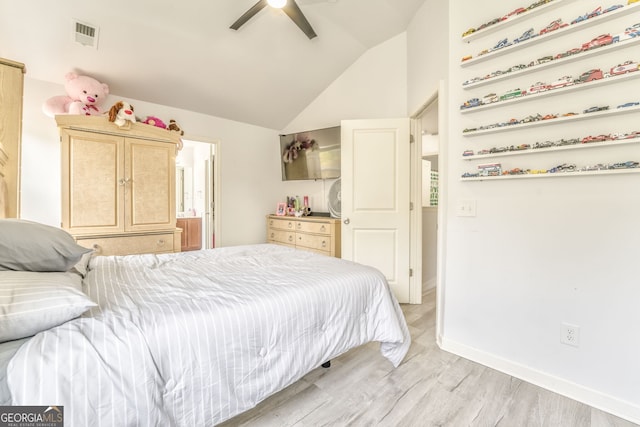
(31,302)
(30,246)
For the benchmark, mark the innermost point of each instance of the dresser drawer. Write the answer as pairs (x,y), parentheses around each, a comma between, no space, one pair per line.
(313,227)
(282,224)
(129,245)
(281,236)
(311,241)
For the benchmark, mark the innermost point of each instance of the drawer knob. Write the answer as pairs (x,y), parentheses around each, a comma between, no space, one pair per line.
(290,238)
(290,225)
(273,235)
(160,242)
(324,244)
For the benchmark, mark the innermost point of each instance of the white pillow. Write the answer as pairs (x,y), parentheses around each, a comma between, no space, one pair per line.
(31,302)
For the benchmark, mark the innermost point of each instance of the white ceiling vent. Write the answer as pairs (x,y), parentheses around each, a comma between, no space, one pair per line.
(85,34)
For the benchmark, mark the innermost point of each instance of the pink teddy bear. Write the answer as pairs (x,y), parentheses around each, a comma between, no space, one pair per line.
(84,96)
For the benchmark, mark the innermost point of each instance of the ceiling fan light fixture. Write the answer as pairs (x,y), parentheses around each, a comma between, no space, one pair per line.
(278,4)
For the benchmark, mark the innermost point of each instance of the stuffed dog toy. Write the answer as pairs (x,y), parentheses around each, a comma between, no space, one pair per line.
(121,112)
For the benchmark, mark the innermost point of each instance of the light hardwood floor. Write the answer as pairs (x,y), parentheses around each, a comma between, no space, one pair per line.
(430,388)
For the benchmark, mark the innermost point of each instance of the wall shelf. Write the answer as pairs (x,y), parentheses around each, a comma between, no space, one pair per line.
(548,149)
(555,62)
(555,175)
(597,114)
(551,92)
(626,10)
(513,20)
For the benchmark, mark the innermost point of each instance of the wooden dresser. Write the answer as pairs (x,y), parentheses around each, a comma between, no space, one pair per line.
(118,185)
(315,234)
(191,233)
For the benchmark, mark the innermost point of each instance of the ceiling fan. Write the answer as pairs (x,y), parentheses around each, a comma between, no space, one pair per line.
(288,6)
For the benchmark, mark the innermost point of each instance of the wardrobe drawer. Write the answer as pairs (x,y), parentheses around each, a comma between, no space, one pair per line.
(129,245)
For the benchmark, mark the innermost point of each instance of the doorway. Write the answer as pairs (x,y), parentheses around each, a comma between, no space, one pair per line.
(197,189)
(429,183)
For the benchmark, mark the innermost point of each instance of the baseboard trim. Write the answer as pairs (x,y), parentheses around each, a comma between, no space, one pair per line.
(596,399)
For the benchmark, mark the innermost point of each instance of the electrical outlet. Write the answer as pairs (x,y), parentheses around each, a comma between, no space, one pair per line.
(570,334)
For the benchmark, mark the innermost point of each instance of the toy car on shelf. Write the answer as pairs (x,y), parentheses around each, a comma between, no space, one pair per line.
(549,117)
(532,118)
(470,175)
(519,147)
(568,53)
(624,165)
(471,81)
(490,98)
(590,75)
(529,34)
(516,68)
(628,104)
(515,12)
(543,60)
(554,25)
(483,152)
(630,135)
(466,58)
(561,82)
(565,167)
(513,93)
(629,33)
(502,43)
(625,67)
(612,8)
(492,169)
(473,102)
(569,114)
(597,11)
(632,1)
(538,87)
(594,109)
(571,141)
(597,138)
(601,40)
(467,153)
(469,32)
(546,144)
(466,130)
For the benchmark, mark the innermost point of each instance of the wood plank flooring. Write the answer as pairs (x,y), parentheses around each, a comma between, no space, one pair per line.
(430,388)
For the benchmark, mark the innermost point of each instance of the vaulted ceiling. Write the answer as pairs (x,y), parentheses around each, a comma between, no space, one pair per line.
(184,54)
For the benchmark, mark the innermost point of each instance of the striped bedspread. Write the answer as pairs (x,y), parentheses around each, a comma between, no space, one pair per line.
(194,338)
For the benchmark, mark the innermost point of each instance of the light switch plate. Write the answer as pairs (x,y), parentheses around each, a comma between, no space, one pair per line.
(466,207)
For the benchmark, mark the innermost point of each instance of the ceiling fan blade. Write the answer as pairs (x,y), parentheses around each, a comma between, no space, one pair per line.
(296,15)
(249,14)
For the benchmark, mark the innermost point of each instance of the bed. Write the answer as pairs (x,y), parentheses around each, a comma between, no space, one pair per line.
(192,338)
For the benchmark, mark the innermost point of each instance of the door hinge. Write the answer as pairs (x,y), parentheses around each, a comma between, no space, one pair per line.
(411,139)
(411,272)
(410,206)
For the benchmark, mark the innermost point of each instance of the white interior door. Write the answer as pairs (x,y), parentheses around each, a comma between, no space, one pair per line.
(376,198)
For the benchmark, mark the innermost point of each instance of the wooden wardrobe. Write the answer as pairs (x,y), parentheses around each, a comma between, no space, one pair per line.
(118,185)
(11,87)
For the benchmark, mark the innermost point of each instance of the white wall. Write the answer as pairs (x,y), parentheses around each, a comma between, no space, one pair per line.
(249,171)
(428,54)
(544,251)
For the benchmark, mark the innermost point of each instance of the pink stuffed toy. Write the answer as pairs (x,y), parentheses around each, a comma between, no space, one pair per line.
(84,96)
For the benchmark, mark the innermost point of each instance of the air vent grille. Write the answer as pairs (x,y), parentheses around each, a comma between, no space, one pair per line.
(85,34)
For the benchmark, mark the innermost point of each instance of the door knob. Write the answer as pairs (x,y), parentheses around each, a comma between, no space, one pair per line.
(346,221)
